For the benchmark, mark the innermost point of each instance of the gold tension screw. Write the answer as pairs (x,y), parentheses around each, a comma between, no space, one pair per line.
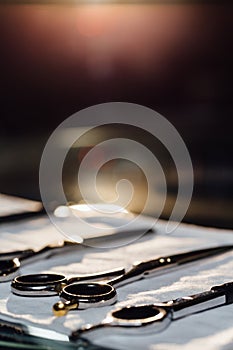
(61,309)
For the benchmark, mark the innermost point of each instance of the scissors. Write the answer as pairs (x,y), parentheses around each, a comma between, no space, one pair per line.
(83,295)
(75,293)
(146,319)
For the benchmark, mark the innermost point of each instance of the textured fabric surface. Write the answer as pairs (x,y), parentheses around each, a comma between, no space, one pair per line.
(212,329)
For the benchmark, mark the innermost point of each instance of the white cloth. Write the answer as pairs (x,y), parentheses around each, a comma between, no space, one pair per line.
(212,329)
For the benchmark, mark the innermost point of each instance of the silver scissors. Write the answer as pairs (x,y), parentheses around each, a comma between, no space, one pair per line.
(145,319)
(82,292)
(83,295)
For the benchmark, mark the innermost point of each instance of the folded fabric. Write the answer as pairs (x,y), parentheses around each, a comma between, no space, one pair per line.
(212,329)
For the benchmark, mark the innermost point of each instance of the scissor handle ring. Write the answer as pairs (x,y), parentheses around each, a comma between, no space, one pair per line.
(38,285)
(88,295)
(145,318)
(9,269)
(139,314)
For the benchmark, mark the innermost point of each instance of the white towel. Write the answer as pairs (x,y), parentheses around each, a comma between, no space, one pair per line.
(212,329)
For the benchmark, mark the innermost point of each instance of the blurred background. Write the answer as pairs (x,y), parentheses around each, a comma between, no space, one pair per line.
(176,58)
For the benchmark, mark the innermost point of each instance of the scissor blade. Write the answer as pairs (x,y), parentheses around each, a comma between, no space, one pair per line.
(167,263)
(194,255)
(164,264)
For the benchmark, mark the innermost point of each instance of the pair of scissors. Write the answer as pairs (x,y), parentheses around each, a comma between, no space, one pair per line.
(83,295)
(146,319)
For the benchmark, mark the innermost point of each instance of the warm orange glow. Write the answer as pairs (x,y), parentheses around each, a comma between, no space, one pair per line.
(95,20)
(101,39)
